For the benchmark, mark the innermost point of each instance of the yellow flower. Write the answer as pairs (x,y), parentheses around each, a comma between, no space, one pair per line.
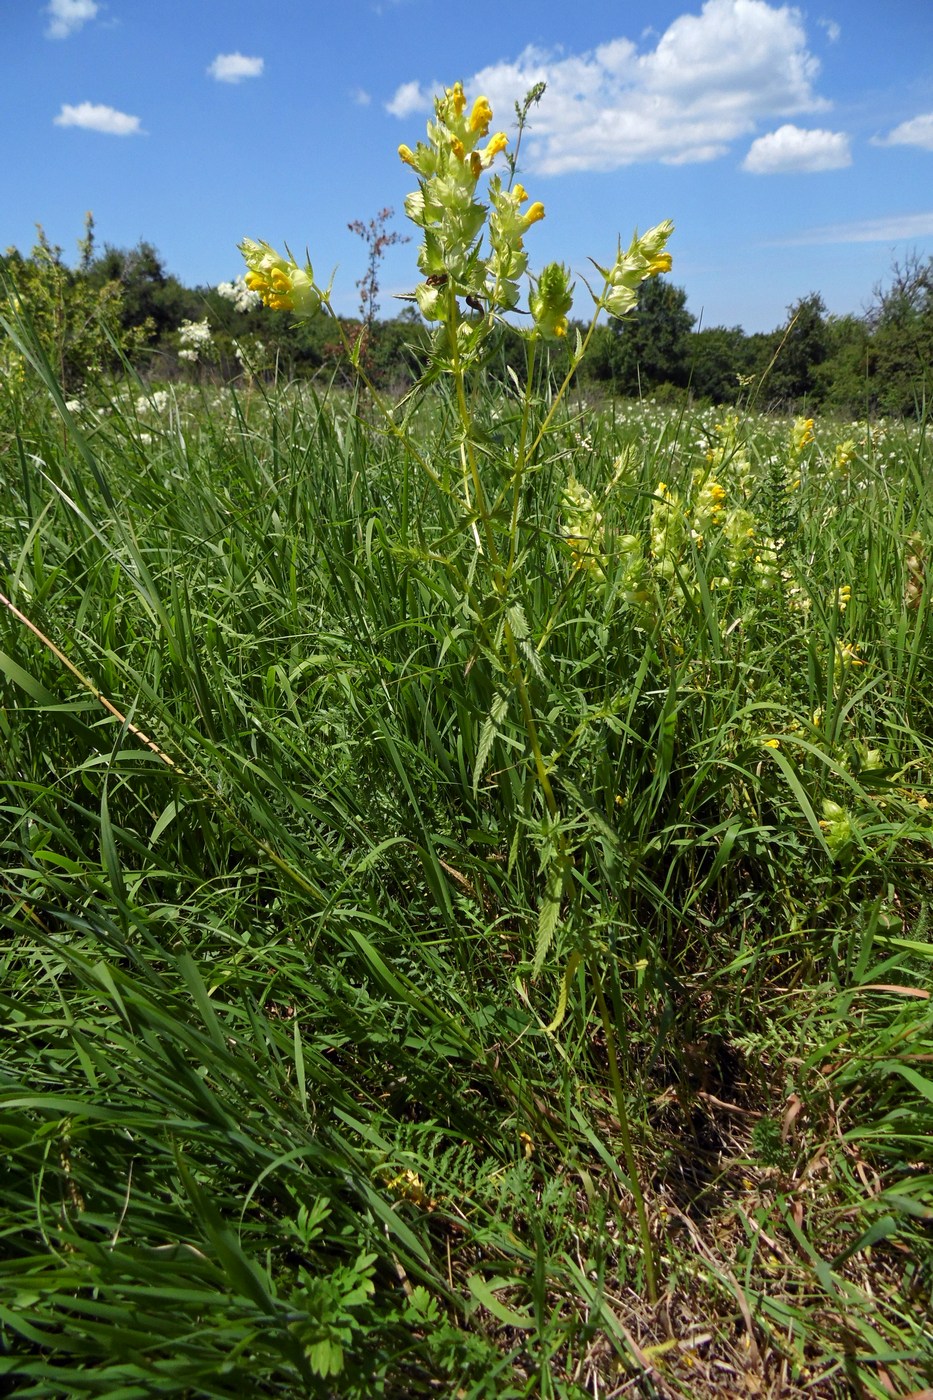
(842,456)
(837,826)
(481,115)
(801,434)
(552,298)
(644,257)
(847,655)
(482,160)
(280,282)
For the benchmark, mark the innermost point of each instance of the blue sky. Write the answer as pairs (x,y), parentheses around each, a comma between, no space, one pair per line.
(791,145)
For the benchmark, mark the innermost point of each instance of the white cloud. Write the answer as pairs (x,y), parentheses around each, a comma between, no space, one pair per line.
(833,30)
(916,132)
(361,97)
(234,67)
(409,98)
(94,116)
(710,79)
(891,228)
(66,16)
(791,151)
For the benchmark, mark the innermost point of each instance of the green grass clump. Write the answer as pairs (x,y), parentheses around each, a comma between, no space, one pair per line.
(328,1046)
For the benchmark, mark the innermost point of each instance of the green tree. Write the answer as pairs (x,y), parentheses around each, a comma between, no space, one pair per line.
(718,358)
(802,344)
(901,324)
(843,380)
(652,345)
(77,322)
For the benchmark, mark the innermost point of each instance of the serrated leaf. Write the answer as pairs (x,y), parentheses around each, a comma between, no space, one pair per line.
(487,736)
(513,848)
(573,962)
(548,914)
(518,622)
(532,657)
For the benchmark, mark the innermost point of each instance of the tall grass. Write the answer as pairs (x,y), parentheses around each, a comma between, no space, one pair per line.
(293,1101)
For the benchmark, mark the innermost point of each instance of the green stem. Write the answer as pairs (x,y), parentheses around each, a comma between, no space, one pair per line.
(575,361)
(500,576)
(647,1250)
(522,458)
(397,432)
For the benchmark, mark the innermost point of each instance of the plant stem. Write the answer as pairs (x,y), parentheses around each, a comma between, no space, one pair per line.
(647,1250)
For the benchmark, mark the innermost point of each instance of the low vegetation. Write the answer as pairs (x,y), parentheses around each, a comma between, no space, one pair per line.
(466,869)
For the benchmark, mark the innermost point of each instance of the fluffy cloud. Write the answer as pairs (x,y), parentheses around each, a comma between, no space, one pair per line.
(916,132)
(410,97)
(234,67)
(94,116)
(65,16)
(791,150)
(709,80)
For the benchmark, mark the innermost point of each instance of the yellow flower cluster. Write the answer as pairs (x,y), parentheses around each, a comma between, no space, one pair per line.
(645,257)
(282,284)
(582,529)
(802,434)
(842,456)
(445,208)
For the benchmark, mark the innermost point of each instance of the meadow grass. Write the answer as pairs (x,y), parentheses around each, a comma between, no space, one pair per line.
(317,1079)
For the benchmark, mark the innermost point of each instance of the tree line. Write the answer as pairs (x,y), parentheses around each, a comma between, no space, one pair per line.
(123,305)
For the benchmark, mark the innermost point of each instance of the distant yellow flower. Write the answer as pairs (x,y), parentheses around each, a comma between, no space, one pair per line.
(847,655)
(801,434)
(837,826)
(842,456)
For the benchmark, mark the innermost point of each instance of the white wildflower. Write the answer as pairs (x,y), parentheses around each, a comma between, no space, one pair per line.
(239,294)
(195,338)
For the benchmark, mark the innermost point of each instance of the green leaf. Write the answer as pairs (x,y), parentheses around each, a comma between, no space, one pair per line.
(483,1291)
(548,912)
